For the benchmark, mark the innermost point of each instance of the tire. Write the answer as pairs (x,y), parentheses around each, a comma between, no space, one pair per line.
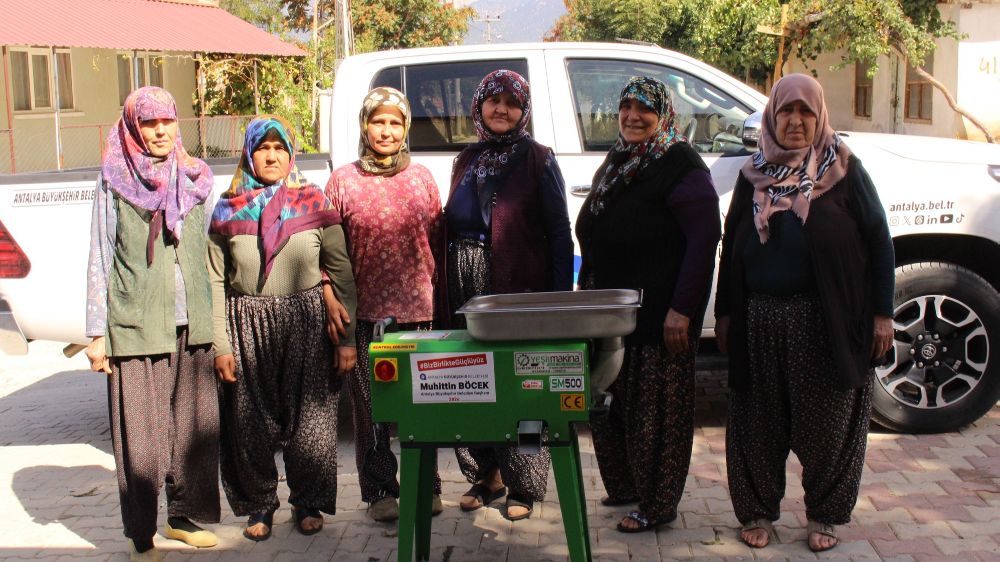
(943,371)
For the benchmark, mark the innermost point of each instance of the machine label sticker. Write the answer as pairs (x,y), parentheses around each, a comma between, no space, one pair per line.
(548,363)
(566,384)
(393,347)
(425,336)
(453,377)
(571,402)
(532,384)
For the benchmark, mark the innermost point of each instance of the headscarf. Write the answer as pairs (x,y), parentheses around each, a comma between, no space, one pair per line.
(274,212)
(788,179)
(169,187)
(371,161)
(497,150)
(625,160)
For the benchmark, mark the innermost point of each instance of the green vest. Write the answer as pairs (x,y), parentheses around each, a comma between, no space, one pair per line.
(141,308)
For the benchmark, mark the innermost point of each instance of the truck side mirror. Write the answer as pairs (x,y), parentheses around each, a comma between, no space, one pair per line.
(751,130)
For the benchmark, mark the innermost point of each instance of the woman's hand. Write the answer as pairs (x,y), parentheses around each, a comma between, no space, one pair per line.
(883,335)
(99,361)
(722,333)
(675,331)
(337,318)
(225,368)
(344,359)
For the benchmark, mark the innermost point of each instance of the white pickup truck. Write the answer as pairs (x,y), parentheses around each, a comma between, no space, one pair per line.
(942,199)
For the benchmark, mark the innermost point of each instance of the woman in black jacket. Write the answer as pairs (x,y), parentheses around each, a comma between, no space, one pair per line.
(804,307)
(650,223)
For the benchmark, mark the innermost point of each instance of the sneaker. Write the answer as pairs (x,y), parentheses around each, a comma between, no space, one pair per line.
(185,531)
(385,509)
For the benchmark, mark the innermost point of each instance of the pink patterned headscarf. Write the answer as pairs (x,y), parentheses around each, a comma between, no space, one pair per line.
(786,179)
(169,187)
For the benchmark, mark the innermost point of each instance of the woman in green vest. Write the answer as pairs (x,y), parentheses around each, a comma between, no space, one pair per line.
(273,237)
(149,314)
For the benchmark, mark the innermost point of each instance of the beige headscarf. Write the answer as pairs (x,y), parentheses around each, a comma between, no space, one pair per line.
(788,179)
(369,160)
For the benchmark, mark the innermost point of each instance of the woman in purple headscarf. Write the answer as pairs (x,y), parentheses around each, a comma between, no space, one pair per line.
(273,236)
(149,314)
(508,232)
(804,307)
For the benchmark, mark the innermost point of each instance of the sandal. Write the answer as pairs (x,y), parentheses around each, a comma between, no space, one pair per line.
(300,514)
(485,496)
(764,524)
(267,519)
(609,501)
(645,524)
(514,500)
(822,529)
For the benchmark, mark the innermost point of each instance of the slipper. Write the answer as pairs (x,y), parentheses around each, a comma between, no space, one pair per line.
(823,529)
(609,501)
(764,524)
(300,514)
(482,493)
(515,501)
(266,518)
(645,524)
(182,529)
(437,506)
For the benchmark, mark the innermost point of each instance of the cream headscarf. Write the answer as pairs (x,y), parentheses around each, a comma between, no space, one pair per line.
(788,179)
(369,160)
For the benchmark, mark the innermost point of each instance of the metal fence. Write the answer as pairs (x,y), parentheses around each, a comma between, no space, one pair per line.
(32,148)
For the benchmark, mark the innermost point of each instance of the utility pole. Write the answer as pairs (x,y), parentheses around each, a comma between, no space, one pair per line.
(489,21)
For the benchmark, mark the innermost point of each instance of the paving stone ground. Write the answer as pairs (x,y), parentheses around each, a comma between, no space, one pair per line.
(929,497)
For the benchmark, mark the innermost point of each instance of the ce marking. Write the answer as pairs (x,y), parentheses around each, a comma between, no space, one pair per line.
(571,402)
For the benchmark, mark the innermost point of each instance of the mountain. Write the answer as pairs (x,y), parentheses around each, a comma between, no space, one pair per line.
(519,20)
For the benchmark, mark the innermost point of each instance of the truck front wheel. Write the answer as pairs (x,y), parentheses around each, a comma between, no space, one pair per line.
(943,371)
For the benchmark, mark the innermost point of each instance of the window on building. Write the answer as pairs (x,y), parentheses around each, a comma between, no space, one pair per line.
(31,76)
(441,97)
(862,90)
(150,72)
(918,93)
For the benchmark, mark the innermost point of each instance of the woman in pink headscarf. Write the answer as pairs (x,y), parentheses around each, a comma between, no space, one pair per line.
(804,307)
(150,316)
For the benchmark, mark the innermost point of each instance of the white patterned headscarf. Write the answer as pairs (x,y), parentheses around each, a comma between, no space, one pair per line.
(786,179)
(369,160)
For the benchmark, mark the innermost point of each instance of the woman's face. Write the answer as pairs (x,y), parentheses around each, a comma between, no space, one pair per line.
(271,158)
(159,136)
(636,121)
(796,125)
(501,112)
(385,130)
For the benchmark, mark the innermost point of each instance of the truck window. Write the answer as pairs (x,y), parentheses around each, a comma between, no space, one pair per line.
(710,119)
(441,98)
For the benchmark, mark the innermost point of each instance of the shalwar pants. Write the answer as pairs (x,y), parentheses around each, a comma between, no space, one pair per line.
(164,415)
(792,403)
(284,398)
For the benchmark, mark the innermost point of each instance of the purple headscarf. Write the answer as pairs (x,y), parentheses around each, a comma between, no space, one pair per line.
(169,187)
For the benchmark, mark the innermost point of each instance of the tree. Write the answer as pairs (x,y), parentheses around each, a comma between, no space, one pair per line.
(864,31)
(724,33)
(240,85)
(720,32)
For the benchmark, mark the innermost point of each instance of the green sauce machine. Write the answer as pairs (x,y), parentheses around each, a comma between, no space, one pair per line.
(529,367)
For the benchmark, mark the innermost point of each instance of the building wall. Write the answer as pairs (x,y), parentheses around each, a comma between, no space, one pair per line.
(84,128)
(966,68)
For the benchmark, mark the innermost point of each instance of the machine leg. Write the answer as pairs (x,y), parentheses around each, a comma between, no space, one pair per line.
(416,486)
(569,483)
(428,459)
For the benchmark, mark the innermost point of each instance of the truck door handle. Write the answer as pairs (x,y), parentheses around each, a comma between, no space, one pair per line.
(580,190)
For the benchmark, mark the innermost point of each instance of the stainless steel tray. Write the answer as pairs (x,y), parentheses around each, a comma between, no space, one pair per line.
(548,316)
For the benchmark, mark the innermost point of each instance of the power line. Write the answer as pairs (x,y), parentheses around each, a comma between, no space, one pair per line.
(488,20)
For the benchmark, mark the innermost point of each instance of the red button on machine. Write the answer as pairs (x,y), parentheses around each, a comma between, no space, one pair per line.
(386,370)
